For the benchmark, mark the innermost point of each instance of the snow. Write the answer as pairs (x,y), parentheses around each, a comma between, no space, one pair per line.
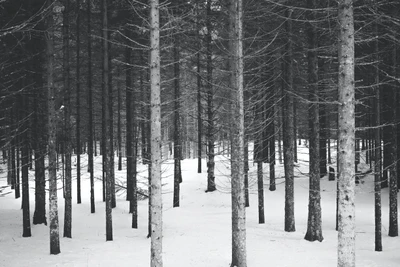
(197,234)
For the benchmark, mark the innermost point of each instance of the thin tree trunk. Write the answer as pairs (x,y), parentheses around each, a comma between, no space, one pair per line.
(314,228)
(237,148)
(67,126)
(155,137)
(393,190)
(90,108)
(199,111)
(346,236)
(78,105)
(52,124)
(107,152)
(288,132)
(260,189)
(177,124)
(25,169)
(210,106)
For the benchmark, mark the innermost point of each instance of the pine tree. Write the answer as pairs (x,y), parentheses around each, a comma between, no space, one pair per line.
(155,136)
(237,168)
(346,140)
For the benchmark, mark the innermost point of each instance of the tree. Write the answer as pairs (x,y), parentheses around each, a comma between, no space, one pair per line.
(78,105)
(346,139)
(288,126)
(155,136)
(237,168)
(107,152)
(314,230)
(67,124)
(210,103)
(52,123)
(90,107)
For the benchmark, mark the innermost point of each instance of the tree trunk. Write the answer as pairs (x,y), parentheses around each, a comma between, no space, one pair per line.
(25,168)
(346,140)
(393,209)
(78,105)
(199,109)
(67,126)
(155,135)
(90,108)
(288,126)
(107,152)
(378,158)
(237,149)
(210,106)
(177,124)
(260,189)
(314,229)
(52,123)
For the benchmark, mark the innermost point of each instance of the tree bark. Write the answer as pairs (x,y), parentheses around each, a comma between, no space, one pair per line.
(67,125)
(107,152)
(90,108)
(155,137)
(314,229)
(237,149)
(78,105)
(346,140)
(210,105)
(52,123)
(288,126)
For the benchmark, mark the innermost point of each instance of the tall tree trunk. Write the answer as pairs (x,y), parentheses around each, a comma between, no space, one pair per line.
(314,229)
(67,114)
(78,104)
(39,215)
(346,140)
(237,154)
(52,130)
(393,209)
(177,124)
(199,110)
(155,135)
(107,152)
(25,168)
(378,152)
(119,126)
(288,126)
(90,107)
(260,189)
(110,123)
(210,105)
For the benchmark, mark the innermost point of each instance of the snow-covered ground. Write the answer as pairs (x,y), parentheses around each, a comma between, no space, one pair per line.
(198,233)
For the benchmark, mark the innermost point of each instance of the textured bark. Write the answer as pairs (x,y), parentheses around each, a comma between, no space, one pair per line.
(78,105)
(210,106)
(107,152)
(52,123)
(393,209)
(39,215)
(177,124)
(288,126)
(90,108)
(25,169)
(67,126)
(272,184)
(260,189)
(237,149)
(155,137)
(314,228)
(346,148)
(199,112)
(246,172)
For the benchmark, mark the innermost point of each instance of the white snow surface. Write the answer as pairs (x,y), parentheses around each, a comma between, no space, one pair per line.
(198,233)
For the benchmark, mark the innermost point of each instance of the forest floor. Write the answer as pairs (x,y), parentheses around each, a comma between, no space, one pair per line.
(198,233)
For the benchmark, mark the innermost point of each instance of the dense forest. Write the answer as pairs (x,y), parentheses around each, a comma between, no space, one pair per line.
(140,82)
